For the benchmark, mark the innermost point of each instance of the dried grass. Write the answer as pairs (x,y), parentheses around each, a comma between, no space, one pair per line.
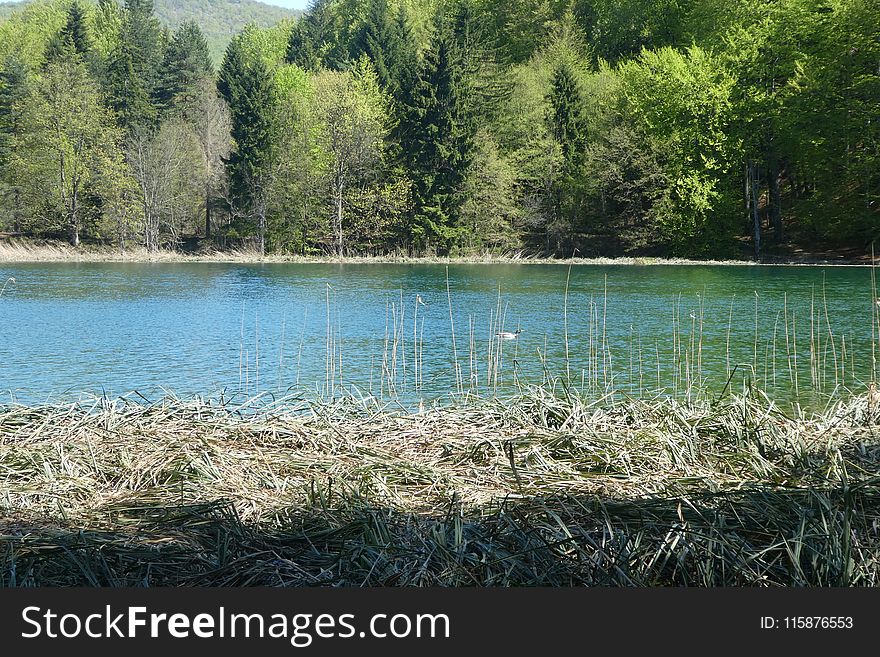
(28,250)
(536,490)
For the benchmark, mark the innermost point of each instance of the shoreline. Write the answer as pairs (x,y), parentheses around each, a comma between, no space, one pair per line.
(11,253)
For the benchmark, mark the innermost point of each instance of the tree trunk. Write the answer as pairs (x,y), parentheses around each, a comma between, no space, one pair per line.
(775,198)
(752,199)
(16,211)
(120,234)
(73,224)
(262,228)
(339,245)
(207,213)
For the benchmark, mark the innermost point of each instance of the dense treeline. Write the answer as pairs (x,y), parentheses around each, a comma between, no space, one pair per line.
(686,127)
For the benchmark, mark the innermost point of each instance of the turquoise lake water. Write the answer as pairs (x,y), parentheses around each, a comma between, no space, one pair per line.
(69,331)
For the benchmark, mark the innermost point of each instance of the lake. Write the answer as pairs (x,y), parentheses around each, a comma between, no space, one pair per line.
(71,330)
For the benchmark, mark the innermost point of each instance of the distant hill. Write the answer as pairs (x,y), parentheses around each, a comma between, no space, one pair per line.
(219,19)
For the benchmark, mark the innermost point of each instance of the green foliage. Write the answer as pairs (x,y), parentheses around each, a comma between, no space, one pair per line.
(619,29)
(567,118)
(314,41)
(186,65)
(438,145)
(352,133)
(386,40)
(27,32)
(268,44)
(129,95)
(69,142)
(133,75)
(247,85)
(525,138)
(681,101)
(219,20)
(107,28)
(569,129)
(74,37)
(489,209)
(142,34)
(663,127)
(13,93)
(523,27)
(13,90)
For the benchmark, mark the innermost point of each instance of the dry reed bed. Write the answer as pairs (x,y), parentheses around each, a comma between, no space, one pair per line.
(532,491)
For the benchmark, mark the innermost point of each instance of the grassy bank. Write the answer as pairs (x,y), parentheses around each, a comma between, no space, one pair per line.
(23,251)
(533,491)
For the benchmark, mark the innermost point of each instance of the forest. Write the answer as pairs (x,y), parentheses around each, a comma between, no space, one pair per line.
(693,128)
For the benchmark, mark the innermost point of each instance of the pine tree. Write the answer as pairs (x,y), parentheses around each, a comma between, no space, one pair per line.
(186,65)
(313,42)
(130,98)
(406,74)
(73,39)
(567,119)
(76,30)
(377,39)
(406,60)
(248,88)
(567,125)
(134,68)
(143,33)
(13,91)
(13,77)
(483,81)
(438,147)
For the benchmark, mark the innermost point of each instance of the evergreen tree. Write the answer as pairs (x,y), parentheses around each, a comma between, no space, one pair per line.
(314,42)
(76,31)
(72,39)
(403,85)
(186,65)
(129,98)
(142,31)
(768,122)
(378,40)
(13,91)
(387,40)
(438,147)
(13,88)
(300,49)
(134,68)
(247,86)
(567,118)
(483,86)
(567,125)
(406,59)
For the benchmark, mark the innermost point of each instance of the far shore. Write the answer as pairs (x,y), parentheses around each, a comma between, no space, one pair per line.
(43,252)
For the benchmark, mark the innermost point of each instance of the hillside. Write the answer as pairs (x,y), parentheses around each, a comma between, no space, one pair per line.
(219,19)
